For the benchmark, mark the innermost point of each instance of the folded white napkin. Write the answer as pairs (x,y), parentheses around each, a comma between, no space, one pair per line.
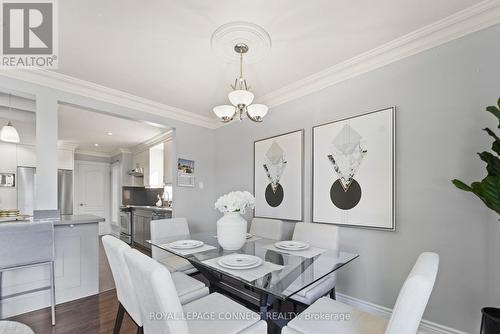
(246,274)
(307,253)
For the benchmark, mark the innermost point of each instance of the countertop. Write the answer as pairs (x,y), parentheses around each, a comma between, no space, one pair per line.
(149,207)
(78,219)
(66,220)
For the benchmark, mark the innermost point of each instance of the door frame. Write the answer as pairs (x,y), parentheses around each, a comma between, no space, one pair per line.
(106,227)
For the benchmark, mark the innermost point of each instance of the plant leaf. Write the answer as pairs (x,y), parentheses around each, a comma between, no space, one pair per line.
(493,162)
(495,111)
(496,146)
(460,185)
(490,192)
(491,133)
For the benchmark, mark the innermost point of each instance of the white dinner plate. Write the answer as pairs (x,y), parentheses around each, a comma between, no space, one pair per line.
(185,244)
(240,261)
(292,245)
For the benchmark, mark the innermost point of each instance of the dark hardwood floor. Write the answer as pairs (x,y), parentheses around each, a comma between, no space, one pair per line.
(92,315)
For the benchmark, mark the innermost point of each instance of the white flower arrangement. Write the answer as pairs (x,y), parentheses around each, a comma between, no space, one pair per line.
(235,201)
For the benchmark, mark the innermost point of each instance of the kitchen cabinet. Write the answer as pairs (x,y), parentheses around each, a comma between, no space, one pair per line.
(141,220)
(65,159)
(76,271)
(141,159)
(141,224)
(26,157)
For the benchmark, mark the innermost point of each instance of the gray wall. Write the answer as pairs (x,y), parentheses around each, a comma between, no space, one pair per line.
(440,95)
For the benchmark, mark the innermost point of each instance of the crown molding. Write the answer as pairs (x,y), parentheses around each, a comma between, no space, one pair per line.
(67,146)
(162,137)
(95,91)
(94,154)
(462,23)
(467,21)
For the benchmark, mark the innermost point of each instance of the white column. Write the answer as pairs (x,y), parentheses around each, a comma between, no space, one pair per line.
(46,152)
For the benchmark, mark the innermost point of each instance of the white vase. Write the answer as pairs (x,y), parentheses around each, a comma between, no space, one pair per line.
(231,231)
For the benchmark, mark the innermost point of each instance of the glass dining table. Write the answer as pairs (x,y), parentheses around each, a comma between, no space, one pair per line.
(281,275)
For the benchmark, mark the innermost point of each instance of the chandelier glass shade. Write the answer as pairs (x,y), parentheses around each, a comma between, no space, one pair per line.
(9,133)
(241,98)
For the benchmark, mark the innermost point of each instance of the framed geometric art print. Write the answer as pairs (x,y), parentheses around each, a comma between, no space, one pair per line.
(278,176)
(353,171)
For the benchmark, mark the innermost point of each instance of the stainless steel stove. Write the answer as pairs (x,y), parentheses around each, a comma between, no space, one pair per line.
(126,224)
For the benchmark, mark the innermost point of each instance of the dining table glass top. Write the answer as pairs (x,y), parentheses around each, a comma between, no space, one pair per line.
(282,273)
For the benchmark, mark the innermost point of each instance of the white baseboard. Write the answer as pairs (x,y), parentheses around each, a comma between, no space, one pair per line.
(426,326)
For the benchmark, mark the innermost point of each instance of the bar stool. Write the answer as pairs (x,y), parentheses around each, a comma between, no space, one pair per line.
(26,245)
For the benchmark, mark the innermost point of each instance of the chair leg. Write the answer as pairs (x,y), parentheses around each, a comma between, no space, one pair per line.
(52,294)
(140,330)
(1,317)
(119,319)
(332,293)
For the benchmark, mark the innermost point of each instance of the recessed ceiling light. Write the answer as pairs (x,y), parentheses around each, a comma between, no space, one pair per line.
(110,133)
(96,145)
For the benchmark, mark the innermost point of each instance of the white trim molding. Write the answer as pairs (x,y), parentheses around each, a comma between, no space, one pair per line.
(426,326)
(95,91)
(467,21)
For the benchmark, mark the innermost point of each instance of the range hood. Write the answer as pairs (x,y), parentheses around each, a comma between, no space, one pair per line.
(137,171)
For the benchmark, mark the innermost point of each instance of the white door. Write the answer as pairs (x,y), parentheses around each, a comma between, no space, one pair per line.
(92,189)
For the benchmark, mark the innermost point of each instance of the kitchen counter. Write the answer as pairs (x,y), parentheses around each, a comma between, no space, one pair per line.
(76,244)
(78,219)
(149,207)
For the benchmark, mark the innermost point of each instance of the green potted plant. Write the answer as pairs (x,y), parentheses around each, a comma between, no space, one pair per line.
(488,191)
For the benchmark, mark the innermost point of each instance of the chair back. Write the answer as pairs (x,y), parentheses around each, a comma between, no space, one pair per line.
(414,295)
(163,228)
(267,228)
(26,243)
(115,250)
(159,303)
(318,235)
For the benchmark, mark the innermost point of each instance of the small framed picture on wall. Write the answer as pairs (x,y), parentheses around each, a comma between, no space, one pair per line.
(278,176)
(185,173)
(353,171)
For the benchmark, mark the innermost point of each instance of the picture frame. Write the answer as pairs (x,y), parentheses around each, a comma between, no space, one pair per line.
(185,173)
(279,188)
(353,171)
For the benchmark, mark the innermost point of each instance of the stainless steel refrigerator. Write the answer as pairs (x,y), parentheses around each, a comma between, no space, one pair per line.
(26,177)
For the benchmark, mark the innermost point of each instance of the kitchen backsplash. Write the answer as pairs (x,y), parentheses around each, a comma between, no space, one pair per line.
(140,195)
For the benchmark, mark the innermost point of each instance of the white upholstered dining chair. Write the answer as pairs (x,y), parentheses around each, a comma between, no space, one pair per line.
(164,228)
(405,318)
(274,229)
(157,297)
(187,287)
(320,236)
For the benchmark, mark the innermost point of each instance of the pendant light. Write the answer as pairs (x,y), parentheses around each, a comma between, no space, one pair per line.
(9,133)
(241,97)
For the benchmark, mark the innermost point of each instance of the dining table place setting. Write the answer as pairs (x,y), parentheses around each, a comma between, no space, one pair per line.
(297,248)
(246,267)
(187,247)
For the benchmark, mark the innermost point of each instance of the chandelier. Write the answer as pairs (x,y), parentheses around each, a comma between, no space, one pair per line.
(241,97)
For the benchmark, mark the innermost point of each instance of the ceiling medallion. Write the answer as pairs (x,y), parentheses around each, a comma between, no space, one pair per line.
(228,35)
(241,97)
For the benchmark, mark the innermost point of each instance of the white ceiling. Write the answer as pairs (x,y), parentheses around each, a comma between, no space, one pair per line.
(85,128)
(160,49)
